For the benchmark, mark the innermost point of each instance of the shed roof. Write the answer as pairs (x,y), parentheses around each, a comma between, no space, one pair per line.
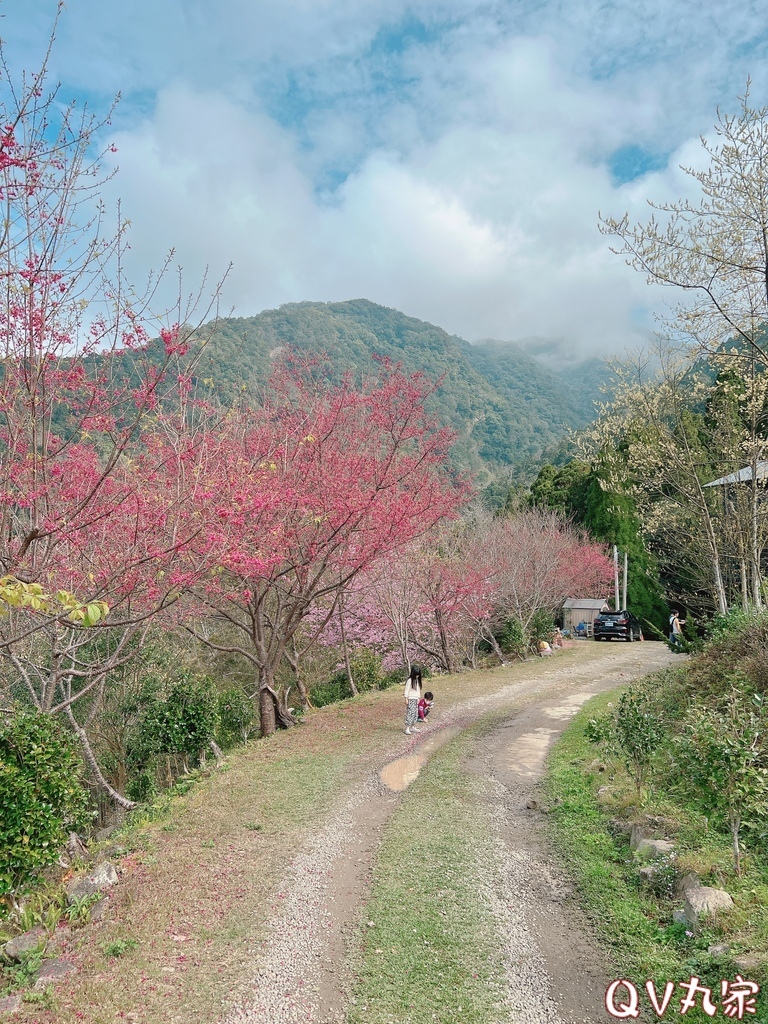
(742,475)
(584,602)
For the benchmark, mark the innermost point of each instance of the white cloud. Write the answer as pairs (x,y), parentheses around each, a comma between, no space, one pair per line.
(456,174)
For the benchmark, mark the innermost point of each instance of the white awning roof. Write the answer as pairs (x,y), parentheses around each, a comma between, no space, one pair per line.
(742,476)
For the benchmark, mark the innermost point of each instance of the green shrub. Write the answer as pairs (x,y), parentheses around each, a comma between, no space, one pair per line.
(663,880)
(181,718)
(634,729)
(174,724)
(337,688)
(366,669)
(396,677)
(722,761)
(736,641)
(118,947)
(512,638)
(237,716)
(41,795)
(142,786)
(541,626)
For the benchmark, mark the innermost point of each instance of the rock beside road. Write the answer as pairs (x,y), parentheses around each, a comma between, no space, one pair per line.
(102,877)
(28,942)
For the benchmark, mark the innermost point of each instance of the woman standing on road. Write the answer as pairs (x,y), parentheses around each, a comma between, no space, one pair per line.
(412,695)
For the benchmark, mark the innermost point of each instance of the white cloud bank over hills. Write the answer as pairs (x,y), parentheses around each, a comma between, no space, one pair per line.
(445,157)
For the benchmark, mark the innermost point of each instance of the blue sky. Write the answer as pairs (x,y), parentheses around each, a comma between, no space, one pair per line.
(445,157)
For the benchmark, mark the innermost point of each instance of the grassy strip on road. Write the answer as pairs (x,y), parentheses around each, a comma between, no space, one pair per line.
(430,950)
(636,920)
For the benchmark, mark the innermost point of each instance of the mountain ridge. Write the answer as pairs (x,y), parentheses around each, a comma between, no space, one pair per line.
(510,412)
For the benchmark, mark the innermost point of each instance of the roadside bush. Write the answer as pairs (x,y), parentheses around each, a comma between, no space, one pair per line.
(237,716)
(366,669)
(396,677)
(367,673)
(175,724)
(183,719)
(541,626)
(142,787)
(336,689)
(722,760)
(41,795)
(736,641)
(512,638)
(662,883)
(634,730)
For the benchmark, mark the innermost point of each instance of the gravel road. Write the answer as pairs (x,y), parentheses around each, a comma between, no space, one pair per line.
(555,974)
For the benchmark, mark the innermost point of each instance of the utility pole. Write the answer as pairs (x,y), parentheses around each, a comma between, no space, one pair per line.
(616,577)
(624,590)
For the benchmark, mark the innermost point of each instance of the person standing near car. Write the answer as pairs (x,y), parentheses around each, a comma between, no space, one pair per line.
(676,629)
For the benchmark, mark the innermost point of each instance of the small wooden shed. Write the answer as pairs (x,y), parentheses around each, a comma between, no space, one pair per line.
(582,609)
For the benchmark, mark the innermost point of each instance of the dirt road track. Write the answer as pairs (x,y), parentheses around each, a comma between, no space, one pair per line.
(555,973)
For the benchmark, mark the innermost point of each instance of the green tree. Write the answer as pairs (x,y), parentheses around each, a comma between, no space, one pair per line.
(609,515)
(634,730)
(676,442)
(237,716)
(714,252)
(176,721)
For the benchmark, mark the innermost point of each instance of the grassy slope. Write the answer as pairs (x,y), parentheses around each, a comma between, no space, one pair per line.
(637,924)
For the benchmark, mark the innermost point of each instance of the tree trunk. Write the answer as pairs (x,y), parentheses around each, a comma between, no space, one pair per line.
(473,653)
(304,697)
(447,657)
(743,577)
(293,660)
(272,714)
(754,539)
(93,764)
(488,634)
(267,710)
(717,576)
(735,827)
(345,649)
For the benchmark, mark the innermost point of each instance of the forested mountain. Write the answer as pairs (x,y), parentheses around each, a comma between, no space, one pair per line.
(508,409)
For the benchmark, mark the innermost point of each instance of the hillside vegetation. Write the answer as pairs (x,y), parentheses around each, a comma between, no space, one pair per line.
(508,409)
(683,758)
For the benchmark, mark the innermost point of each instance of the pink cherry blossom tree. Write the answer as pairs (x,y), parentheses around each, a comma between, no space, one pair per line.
(87,542)
(325,480)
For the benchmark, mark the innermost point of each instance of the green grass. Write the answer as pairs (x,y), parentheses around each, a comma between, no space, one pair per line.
(635,923)
(118,947)
(429,949)
(15,976)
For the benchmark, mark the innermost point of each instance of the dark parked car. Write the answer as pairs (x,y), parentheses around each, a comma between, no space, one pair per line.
(622,625)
